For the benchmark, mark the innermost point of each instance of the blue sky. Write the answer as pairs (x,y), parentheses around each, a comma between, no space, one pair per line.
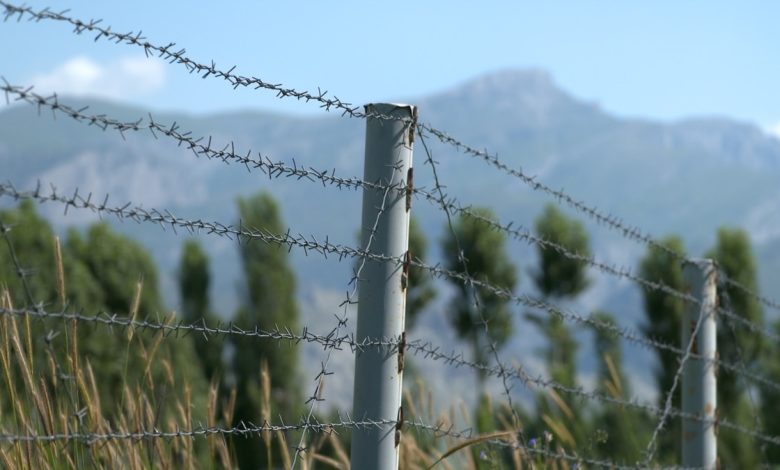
(660,60)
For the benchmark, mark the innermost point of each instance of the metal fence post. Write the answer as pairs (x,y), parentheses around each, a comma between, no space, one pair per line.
(699,443)
(382,285)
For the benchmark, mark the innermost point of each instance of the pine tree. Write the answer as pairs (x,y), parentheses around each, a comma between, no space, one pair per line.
(194,282)
(268,302)
(485,253)
(734,256)
(421,291)
(664,315)
(102,270)
(560,278)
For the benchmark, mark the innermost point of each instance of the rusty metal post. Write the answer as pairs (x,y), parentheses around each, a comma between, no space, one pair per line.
(382,286)
(699,397)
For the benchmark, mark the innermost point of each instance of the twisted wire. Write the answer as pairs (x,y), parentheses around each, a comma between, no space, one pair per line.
(242,429)
(325,248)
(200,146)
(417,347)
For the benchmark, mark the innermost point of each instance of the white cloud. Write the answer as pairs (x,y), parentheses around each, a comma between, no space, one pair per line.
(127,77)
(774,130)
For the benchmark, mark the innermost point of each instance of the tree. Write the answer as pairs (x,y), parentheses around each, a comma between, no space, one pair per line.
(32,240)
(421,291)
(486,260)
(734,256)
(109,270)
(560,278)
(268,302)
(194,282)
(663,314)
(101,272)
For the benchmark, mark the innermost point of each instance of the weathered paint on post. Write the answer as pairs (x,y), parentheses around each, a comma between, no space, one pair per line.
(382,286)
(699,396)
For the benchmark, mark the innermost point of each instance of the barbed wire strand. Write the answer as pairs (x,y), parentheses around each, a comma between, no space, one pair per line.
(200,146)
(474,294)
(242,429)
(311,245)
(417,347)
(350,300)
(325,177)
(179,57)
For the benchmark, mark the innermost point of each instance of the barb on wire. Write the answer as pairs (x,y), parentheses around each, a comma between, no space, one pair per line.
(342,321)
(165,219)
(243,429)
(200,146)
(474,293)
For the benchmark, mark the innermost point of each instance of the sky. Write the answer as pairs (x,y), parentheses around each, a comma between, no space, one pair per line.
(658,60)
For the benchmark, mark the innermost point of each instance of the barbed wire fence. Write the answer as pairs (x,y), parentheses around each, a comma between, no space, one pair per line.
(339,338)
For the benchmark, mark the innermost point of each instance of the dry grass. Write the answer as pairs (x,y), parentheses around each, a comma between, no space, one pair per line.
(47,398)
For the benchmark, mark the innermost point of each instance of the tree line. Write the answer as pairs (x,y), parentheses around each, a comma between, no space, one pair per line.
(109,272)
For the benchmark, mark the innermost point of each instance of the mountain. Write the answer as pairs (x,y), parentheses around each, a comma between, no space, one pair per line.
(688,177)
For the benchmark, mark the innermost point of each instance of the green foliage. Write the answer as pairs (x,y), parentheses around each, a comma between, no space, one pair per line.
(102,273)
(268,303)
(421,291)
(559,276)
(486,258)
(33,242)
(194,281)
(734,256)
(664,315)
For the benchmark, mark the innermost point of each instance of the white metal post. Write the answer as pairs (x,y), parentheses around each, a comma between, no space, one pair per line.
(699,397)
(382,285)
